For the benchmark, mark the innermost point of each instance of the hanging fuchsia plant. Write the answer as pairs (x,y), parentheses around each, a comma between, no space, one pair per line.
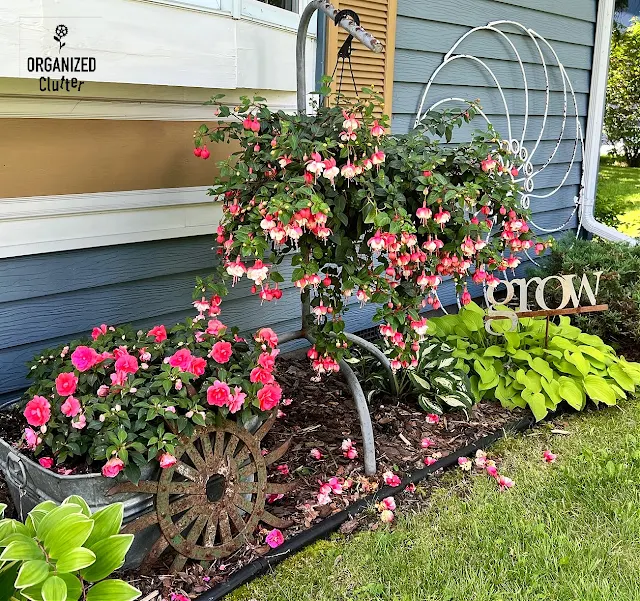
(359,213)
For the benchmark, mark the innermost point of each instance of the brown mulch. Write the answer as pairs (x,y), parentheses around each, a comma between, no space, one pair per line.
(321,416)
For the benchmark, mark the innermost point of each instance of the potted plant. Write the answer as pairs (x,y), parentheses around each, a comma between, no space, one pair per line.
(118,403)
(360,213)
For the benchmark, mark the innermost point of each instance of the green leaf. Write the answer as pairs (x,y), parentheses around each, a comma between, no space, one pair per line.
(623,379)
(110,554)
(599,390)
(77,500)
(571,392)
(446,362)
(429,404)
(421,383)
(74,586)
(55,516)
(75,560)
(472,320)
(536,402)
(70,533)
(23,550)
(552,389)
(542,367)
(112,590)
(577,359)
(494,351)
(54,589)
(444,382)
(32,573)
(107,522)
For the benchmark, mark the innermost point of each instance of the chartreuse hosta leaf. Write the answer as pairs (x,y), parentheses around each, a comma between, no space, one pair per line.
(622,378)
(599,390)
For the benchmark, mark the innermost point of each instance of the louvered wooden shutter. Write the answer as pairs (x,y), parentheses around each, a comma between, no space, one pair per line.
(371,70)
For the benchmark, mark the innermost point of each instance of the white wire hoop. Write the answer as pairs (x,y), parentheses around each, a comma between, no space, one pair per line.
(524,144)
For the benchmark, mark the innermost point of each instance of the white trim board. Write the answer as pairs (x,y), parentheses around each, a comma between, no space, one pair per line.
(41,224)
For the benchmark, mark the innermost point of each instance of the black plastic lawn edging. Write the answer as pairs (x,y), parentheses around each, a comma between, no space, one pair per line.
(332,523)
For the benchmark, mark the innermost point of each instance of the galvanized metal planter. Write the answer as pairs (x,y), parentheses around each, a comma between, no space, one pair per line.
(29,484)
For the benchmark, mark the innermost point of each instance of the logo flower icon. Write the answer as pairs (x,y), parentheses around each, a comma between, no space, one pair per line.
(61,31)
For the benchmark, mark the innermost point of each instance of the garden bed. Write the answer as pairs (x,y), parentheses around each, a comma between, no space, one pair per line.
(321,416)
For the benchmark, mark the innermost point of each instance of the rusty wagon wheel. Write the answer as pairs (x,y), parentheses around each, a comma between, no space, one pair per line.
(209,503)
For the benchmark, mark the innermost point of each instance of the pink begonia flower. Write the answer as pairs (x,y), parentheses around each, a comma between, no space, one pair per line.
(287,402)
(71,407)
(432,418)
(80,422)
(84,358)
(181,359)
(167,460)
(425,443)
(99,331)
(387,516)
(283,469)
(38,411)
(391,479)
(66,383)
(218,394)
(280,414)
(198,365)
(46,462)
(31,438)
(323,499)
(112,467)
(465,464)
(274,497)
(269,396)
(316,454)
(388,503)
(221,351)
(429,460)
(274,539)
(505,482)
(549,457)
(159,333)
(103,391)
(349,449)
(236,401)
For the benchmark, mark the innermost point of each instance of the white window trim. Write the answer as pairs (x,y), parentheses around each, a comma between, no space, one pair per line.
(41,224)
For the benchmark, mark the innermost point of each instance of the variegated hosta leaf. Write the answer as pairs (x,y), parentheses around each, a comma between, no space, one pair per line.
(444,382)
(429,405)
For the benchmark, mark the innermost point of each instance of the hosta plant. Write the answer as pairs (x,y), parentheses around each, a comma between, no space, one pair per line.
(122,398)
(64,553)
(362,214)
(530,368)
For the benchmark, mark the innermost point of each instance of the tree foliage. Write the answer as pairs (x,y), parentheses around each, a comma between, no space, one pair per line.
(622,117)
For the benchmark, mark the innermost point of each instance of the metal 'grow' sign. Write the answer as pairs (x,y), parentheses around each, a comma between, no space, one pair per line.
(519,290)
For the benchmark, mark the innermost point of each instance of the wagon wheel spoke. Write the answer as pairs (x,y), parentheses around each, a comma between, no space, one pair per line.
(278,489)
(156,551)
(141,523)
(186,520)
(242,456)
(272,520)
(184,488)
(232,445)
(195,456)
(277,453)
(207,451)
(192,537)
(225,527)
(237,519)
(262,431)
(211,530)
(247,470)
(182,504)
(187,471)
(243,504)
(218,450)
(144,486)
(245,487)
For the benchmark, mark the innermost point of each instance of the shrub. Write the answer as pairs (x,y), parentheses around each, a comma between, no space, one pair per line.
(519,369)
(125,396)
(361,213)
(64,553)
(619,288)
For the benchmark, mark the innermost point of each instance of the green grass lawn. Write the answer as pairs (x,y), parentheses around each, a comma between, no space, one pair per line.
(620,186)
(568,531)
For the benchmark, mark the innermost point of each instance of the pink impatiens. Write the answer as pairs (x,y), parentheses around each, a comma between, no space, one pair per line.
(112,467)
(349,449)
(37,411)
(71,407)
(549,457)
(66,383)
(274,538)
(391,479)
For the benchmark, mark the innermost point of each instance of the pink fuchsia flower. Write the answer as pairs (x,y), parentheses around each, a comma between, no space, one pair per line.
(269,396)
(549,457)
(283,469)
(99,331)
(159,333)
(489,164)
(388,503)
(103,391)
(66,383)
(71,407)
(465,464)
(425,443)
(37,411)
(391,479)
(348,170)
(274,539)
(31,438)
(181,359)
(236,400)
(491,470)
(167,460)
(410,488)
(432,418)
(80,422)
(127,364)
(442,217)
(112,467)
(221,351)
(387,516)
(349,449)
(377,130)
(84,358)
(378,157)
(429,461)
(218,394)
(267,335)
(504,482)
(46,462)
(198,365)
(274,497)
(316,454)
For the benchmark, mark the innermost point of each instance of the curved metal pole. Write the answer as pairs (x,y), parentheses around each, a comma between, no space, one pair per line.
(359,33)
(379,355)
